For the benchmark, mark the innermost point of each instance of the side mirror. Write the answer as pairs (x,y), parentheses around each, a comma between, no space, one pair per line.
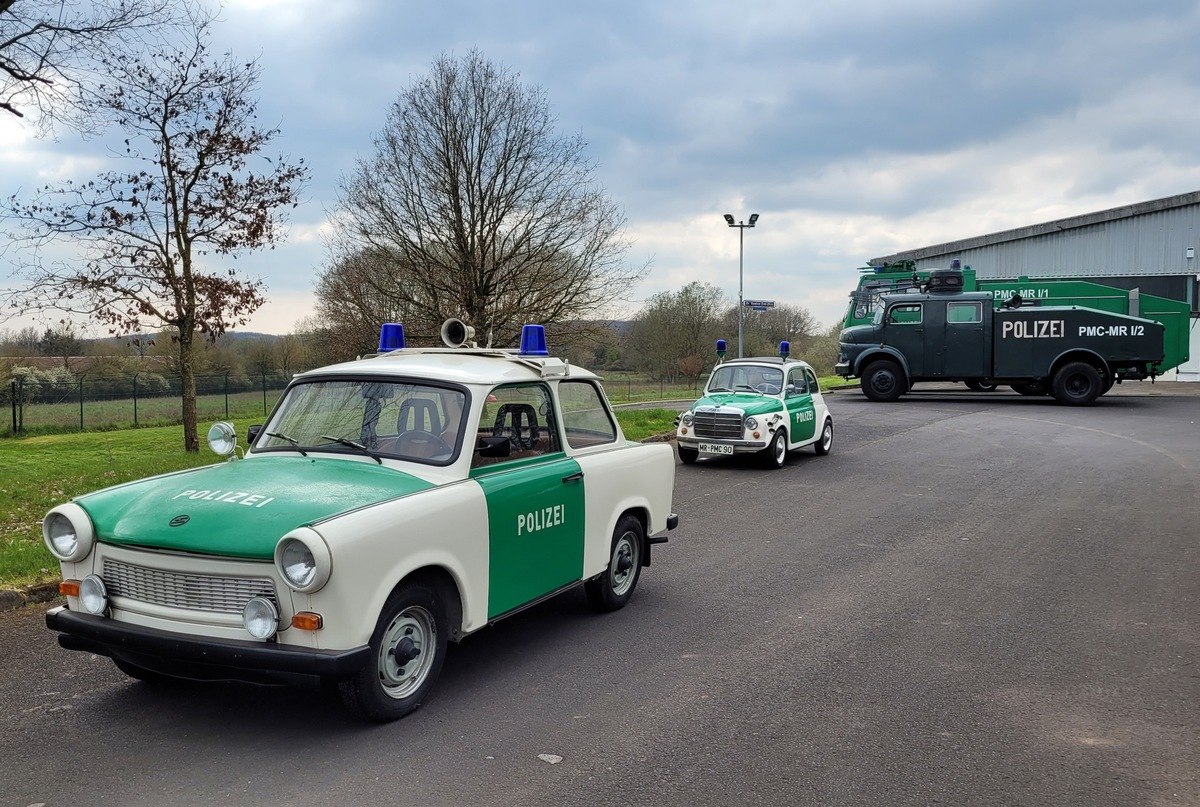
(252,433)
(494,447)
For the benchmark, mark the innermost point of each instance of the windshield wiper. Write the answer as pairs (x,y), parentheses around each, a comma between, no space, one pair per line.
(358,446)
(719,389)
(295,443)
(747,386)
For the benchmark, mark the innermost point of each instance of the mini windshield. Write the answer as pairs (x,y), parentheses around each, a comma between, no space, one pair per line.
(409,421)
(746,378)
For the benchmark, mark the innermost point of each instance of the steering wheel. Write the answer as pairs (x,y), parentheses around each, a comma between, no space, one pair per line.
(423,445)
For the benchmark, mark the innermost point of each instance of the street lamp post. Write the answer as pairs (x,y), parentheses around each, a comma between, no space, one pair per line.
(741,252)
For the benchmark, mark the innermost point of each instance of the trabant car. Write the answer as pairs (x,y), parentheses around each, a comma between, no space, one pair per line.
(766,406)
(387,506)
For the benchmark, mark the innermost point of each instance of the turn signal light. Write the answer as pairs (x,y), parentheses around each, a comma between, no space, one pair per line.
(757,435)
(683,430)
(69,588)
(307,620)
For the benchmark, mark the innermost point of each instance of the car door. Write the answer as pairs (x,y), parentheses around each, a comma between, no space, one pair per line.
(535,500)
(798,400)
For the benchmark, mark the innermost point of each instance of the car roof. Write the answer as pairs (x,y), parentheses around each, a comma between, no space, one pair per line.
(457,365)
(765,360)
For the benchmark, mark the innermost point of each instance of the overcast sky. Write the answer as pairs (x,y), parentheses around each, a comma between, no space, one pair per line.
(854,129)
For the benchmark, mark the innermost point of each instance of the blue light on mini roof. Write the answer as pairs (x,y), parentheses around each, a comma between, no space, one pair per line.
(391,337)
(533,341)
(721,348)
(784,349)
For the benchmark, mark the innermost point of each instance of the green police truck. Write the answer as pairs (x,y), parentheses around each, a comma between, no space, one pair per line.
(940,333)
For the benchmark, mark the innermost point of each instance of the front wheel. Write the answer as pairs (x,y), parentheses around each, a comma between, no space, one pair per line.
(1077,384)
(407,651)
(688,455)
(883,381)
(611,590)
(825,444)
(774,455)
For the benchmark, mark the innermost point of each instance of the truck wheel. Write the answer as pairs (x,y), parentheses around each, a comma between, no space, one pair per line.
(1077,384)
(1106,382)
(981,386)
(407,651)
(883,381)
(825,444)
(688,455)
(615,586)
(774,455)
(1032,388)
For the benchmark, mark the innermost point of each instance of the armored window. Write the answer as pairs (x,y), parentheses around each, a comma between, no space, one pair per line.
(907,314)
(964,313)
(586,420)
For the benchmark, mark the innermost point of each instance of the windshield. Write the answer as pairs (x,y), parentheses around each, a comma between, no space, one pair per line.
(746,378)
(409,421)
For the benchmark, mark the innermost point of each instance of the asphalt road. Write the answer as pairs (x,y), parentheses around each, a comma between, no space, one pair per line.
(975,600)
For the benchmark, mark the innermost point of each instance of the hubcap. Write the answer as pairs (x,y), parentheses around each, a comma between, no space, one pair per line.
(406,652)
(883,381)
(827,436)
(623,565)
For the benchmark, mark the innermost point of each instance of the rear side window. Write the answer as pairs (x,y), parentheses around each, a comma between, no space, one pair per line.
(964,313)
(907,314)
(586,419)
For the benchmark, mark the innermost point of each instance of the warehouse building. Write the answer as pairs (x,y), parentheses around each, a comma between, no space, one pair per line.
(1149,246)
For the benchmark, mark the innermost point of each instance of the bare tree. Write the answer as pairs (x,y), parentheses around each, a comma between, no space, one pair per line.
(675,333)
(190,125)
(478,208)
(52,52)
(764,330)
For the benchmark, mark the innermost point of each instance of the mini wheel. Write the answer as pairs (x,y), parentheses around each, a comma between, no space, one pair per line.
(774,455)
(824,445)
(612,589)
(408,648)
(688,455)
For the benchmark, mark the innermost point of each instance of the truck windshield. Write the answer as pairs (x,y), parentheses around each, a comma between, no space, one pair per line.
(746,378)
(409,421)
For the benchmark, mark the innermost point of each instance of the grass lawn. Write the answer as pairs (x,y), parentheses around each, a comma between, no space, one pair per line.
(37,473)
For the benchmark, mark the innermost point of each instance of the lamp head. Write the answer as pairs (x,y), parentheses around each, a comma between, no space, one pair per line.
(729,219)
(753,218)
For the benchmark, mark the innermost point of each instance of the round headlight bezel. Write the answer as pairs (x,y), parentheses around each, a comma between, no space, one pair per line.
(93,595)
(260,618)
(292,549)
(687,419)
(68,533)
(751,423)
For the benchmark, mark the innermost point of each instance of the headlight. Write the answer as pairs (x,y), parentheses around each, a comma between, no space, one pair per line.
(751,423)
(303,560)
(687,419)
(261,618)
(93,596)
(222,438)
(68,532)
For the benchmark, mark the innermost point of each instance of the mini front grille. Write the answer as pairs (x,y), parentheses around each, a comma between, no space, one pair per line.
(198,592)
(718,425)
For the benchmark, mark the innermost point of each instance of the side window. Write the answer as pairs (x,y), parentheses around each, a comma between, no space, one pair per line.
(797,383)
(586,420)
(813,386)
(906,314)
(964,313)
(524,415)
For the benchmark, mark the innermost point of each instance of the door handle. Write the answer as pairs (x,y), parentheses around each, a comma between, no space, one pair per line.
(575,477)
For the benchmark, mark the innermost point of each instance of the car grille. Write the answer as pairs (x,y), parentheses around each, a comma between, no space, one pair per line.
(718,425)
(198,592)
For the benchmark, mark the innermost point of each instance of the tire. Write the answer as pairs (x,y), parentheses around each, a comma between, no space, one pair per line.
(775,454)
(1077,384)
(688,455)
(986,385)
(414,624)
(883,381)
(825,444)
(1106,382)
(612,589)
(1032,388)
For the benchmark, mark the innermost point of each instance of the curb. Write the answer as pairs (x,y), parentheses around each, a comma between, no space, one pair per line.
(11,600)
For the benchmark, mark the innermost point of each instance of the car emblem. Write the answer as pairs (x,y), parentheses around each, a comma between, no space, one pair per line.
(179,521)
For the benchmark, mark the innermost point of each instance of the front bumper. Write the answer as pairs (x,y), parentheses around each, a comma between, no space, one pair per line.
(842,368)
(739,446)
(196,656)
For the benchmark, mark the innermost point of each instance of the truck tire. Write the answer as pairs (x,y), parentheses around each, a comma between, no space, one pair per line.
(883,381)
(1031,388)
(985,385)
(1077,384)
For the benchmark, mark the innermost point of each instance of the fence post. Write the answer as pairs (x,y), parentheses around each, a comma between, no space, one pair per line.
(135,375)
(81,402)
(13,383)
(226,394)
(264,389)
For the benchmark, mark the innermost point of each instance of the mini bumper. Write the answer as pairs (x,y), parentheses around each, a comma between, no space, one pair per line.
(177,653)
(739,446)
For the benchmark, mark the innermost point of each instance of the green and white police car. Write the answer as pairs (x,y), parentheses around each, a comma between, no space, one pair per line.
(387,506)
(766,406)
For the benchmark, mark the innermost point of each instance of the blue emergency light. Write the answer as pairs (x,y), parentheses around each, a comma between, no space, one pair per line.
(721,348)
(784,349)
(391,337)
(533,341)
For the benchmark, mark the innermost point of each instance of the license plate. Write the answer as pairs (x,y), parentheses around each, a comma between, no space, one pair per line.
(715,448)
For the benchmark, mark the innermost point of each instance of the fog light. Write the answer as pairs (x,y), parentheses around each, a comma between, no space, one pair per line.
(92,595)
(261,618)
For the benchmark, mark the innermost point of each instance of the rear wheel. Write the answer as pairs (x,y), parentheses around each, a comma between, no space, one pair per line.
(688,455)
(612,590)
(883,381)
(986,385)
(825,444)
(774,455)
(1077,384)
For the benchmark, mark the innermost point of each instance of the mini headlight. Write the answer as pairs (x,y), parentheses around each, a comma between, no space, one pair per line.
(687,419)
(93,596)
(303,560)
(68,533)
(261,618)
(222,438)
(751,423)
